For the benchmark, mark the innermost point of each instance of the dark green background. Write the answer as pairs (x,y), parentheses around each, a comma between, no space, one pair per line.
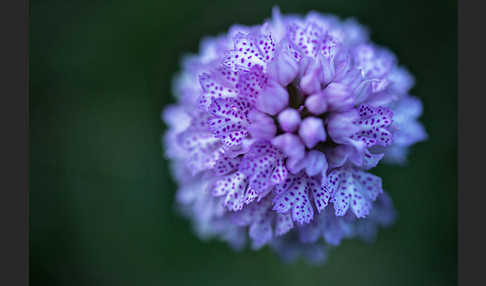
(101,197)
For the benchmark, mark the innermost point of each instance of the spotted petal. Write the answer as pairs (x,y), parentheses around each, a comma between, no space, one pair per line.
(373,62)
(296,200)
(202,148)
(250,49)
(228,120)
(320,193)
(251,83)
(215,85)
(280,172)
(355,189)
(226,164)
(307,37)
(373,124)
(259,164)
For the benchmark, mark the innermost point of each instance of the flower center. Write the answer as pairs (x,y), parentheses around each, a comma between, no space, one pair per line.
(299,120)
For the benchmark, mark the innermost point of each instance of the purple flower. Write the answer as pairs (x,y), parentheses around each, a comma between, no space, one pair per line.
(276,128)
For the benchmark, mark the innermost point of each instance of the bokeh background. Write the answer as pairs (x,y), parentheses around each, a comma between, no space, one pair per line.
(102,199)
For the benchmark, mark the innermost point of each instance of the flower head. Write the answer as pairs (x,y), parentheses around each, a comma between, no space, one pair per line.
(276,129)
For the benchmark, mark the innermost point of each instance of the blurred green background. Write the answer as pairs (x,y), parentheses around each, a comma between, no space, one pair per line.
(101,197)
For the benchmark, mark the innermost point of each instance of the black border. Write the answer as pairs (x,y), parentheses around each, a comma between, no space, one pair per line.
(14,29)
(471,191)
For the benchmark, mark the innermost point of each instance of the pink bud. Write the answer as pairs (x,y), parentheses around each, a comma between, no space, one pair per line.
(311,131)
(273,99)
(289,120)
(316,103)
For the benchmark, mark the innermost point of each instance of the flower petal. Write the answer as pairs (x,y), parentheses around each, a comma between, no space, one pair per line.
(296,200)
(283,224)
(258,165)
(355,189)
